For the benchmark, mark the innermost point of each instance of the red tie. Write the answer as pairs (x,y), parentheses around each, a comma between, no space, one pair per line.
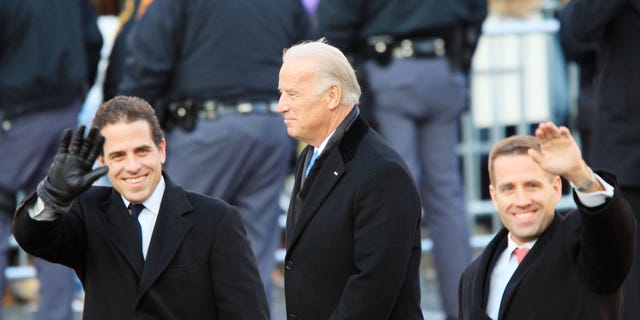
(520,253)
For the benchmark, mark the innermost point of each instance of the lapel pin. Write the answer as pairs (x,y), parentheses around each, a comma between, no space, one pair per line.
(335,173)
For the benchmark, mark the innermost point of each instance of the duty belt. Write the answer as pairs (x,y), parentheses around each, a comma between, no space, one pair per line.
(212,109)
(184,113)
(384,48)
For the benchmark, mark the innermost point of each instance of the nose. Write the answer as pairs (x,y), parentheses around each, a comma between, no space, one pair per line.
(283,106)
(132,164)
(522,198)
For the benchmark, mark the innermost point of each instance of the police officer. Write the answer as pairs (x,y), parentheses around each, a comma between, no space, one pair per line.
(414,56)
(50,53)
(210,68)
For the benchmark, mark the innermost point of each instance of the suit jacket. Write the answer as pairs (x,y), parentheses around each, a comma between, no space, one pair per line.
(574,271)
(614,25)
(353,233)
(199,264)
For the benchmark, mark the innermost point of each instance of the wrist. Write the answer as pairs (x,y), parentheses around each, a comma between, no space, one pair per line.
(586,185)
(52,197)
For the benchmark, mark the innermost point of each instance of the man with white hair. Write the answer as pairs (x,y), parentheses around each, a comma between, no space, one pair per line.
(353,226)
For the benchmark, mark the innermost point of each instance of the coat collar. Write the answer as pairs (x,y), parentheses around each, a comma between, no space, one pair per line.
(121,229)
(170,230)
(533,258)
(480,283)
(168,233)
(329,169)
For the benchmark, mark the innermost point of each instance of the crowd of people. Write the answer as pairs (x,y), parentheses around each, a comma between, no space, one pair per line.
(210,105)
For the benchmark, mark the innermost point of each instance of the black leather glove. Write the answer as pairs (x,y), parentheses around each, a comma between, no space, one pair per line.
(71,172)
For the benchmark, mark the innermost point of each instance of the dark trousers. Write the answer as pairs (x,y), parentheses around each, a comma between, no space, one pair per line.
(28,144)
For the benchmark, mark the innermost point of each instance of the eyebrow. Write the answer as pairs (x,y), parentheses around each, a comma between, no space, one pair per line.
(138,148)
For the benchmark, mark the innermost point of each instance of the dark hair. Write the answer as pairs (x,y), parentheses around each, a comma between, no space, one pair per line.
(128,109)
(511,146)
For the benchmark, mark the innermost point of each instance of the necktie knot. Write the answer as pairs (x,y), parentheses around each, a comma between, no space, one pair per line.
(135,209)
(314,156)
(520,253)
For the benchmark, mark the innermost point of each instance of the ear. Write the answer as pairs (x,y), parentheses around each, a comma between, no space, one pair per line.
(333,96)
(101,160)
(162,148)
(557,189)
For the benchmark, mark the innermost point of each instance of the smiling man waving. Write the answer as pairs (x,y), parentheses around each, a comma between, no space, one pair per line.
(173,255)
(543,264)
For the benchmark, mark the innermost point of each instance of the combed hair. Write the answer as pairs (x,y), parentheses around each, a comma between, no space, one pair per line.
(511,146)
(128,109)
(332,67)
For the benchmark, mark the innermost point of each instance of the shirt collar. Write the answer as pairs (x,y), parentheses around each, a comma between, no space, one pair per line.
(511,245)
(153,202)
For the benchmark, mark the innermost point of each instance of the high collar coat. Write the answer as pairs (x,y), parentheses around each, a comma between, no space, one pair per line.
(353,233)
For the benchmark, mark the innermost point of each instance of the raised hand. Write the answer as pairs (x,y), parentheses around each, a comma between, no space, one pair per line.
(560,154)
(71,172)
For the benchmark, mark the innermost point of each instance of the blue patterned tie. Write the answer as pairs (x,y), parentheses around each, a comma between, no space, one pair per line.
(314,156)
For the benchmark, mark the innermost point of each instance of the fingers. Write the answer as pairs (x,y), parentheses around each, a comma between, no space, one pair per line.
(65,138)
(95,174)
(96,148)
(535,155)
(87,148)
(87,143)
(564,131)
(91,146)
(78,139)
(547,131)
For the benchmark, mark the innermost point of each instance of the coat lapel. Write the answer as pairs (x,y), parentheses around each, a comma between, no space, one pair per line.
(295,203)
(482,277)
(169,231)
(319,184)
(527,264)
(308,196)
(122,231)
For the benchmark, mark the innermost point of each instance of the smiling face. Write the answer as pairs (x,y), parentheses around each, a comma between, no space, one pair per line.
(524,196)
(134,160)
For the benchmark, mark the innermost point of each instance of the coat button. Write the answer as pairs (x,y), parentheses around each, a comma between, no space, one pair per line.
(289,265)
(292,317)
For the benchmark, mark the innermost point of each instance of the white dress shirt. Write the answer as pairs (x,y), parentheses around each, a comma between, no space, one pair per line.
(149,215)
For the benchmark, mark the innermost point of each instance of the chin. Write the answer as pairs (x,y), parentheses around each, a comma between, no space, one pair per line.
(135,197)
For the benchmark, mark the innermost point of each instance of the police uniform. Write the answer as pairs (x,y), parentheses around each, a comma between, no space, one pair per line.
(413,56)
(50,54)
(210,68)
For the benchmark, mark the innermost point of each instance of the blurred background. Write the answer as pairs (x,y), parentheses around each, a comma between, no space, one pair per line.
(519,76)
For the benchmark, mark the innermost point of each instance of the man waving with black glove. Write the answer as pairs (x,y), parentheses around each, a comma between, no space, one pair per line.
(70,173)
(173,255)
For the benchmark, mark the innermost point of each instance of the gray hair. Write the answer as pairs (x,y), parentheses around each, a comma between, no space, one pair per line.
(332,67)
